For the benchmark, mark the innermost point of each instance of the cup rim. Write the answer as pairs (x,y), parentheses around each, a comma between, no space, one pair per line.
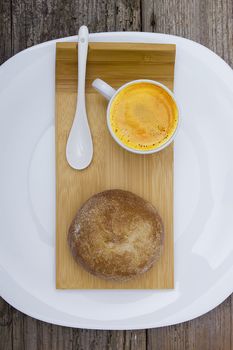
(168,142)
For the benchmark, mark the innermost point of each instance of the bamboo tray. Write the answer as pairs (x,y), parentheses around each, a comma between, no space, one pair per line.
(150,176)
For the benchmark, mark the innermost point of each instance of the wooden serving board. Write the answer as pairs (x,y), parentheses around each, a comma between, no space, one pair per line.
(150,176)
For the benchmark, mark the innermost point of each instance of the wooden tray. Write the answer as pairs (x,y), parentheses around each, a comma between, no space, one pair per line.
(150,176)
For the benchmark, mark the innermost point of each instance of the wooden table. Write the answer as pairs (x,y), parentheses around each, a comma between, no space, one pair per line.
(24,23)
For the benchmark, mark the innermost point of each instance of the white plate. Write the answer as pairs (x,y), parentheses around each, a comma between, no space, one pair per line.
(203,195)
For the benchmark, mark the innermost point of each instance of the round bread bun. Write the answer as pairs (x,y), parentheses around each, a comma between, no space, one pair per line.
(116,235)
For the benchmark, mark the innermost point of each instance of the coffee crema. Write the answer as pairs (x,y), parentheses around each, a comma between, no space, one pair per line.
(143,116)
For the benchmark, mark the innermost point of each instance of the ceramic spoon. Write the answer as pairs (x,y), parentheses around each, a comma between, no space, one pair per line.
(79,148)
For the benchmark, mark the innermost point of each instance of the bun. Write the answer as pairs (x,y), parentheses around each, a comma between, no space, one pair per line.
(116,235)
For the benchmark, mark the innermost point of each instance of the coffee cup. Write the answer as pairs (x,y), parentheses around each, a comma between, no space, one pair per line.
(142,115)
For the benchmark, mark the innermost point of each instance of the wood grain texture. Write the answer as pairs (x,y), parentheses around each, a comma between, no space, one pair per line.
(41,20)
(211,331)
(5,30)
(116,64)
(150,177)
(5,326)
(209,22)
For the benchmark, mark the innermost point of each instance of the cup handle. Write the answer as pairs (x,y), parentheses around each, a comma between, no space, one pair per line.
(106,90)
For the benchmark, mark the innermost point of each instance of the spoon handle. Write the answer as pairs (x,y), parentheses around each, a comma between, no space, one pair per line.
(82,59)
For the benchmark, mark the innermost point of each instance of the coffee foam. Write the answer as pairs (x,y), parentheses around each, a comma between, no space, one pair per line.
(143,116)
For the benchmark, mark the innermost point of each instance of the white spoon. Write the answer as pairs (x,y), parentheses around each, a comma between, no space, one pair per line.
(79,147)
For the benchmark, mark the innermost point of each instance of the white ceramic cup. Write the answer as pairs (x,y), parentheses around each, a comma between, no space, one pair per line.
(109,93)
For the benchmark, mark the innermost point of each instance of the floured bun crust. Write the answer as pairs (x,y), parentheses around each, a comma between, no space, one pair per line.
(116,235)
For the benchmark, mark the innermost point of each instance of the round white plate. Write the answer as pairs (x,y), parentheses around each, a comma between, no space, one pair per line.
(203,194)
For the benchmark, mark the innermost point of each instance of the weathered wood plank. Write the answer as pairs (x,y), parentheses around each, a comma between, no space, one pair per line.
(37,21)
(207,22)
(62,338)
(109,340)
(173,17)
(168,338)
(17,330)
(5,30)
(128,15)
(135,340)
(89,339)
(220,28)
(30,334)
(116,340)
(54,337)
(5,325)
(212,331)
(32,339)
